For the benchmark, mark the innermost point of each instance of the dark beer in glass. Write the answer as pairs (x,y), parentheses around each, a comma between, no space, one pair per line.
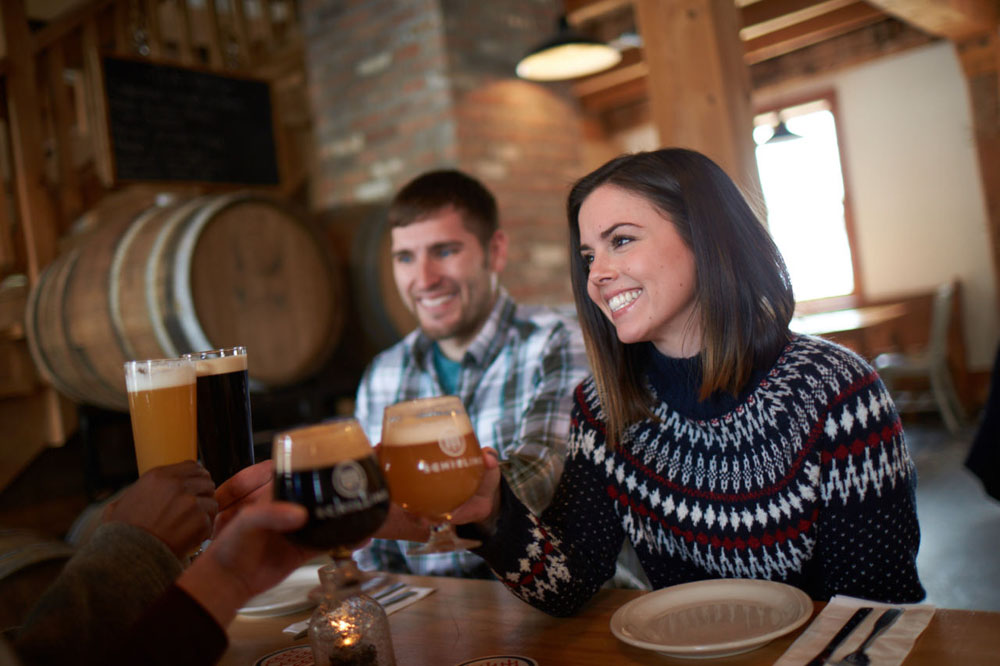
(225,432)
(331,469)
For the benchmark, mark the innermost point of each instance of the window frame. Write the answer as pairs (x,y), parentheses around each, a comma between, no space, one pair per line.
(855,298)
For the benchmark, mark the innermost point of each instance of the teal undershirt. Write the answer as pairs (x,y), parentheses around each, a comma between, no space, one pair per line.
(447,370)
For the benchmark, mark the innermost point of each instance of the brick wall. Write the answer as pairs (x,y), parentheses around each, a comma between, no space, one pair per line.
(399,87)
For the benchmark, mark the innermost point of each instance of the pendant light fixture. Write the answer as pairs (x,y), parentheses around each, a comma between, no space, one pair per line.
(782,133)
(567,55)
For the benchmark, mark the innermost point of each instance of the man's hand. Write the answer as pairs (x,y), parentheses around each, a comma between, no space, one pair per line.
(248,486)
(250,555)
(174,503)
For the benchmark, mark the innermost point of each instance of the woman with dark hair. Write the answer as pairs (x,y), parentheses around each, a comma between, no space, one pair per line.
(716,441)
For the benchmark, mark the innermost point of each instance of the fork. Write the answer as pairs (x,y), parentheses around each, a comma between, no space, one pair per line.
(860,657)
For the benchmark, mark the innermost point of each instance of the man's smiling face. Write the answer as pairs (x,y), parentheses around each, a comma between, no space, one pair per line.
(445,276)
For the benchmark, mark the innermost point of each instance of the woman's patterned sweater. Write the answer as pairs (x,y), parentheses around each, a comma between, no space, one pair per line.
(805,478)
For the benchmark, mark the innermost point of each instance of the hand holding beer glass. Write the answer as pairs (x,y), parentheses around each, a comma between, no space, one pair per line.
(161,402)
(331,469)
(433,464)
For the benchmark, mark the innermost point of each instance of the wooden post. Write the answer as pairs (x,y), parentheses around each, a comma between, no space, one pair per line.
(216,44)
(242,32)
(980,58)
(24,112)
(70,199)
(185,42)
(699,85)
(96,104)
(34,208)
(154,37)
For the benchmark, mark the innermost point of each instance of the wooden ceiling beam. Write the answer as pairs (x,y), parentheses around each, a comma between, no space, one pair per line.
(579,12)
(632,66)
(953,19)
(760,18)
(771,78)
(626,93)
(812,31)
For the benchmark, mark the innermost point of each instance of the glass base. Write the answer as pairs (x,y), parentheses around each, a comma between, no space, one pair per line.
(443,540)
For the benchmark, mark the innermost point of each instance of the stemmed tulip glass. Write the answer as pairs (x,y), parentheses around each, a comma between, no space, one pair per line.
(332,470)
(431,459)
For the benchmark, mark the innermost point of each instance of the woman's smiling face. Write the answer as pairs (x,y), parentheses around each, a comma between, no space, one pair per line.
(641,273)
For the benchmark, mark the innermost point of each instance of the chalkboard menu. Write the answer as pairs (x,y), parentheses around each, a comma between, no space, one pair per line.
(176,124)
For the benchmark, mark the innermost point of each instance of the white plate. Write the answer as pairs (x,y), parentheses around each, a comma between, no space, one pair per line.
(711,618)
(289,596)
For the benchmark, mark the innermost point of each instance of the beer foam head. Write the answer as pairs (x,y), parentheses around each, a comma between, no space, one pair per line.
(220,365)
(424,420)
(322,445)
(158,374)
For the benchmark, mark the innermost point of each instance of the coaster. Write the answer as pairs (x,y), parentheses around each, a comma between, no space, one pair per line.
(300,655)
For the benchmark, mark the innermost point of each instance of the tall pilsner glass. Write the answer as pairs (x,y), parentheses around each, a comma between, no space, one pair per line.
(432,462)
(225,434)
(161,402)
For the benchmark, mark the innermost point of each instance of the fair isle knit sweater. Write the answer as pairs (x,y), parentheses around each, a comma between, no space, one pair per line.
(804,478)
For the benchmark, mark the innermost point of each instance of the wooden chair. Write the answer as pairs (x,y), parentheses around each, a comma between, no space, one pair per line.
(929,364)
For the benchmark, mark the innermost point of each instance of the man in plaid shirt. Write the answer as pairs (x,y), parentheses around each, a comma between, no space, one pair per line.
(513,366)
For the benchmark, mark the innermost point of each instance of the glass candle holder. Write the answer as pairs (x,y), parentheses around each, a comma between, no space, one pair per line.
(348,628)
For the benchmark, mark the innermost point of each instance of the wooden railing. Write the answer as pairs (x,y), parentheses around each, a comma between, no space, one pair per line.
(55,152)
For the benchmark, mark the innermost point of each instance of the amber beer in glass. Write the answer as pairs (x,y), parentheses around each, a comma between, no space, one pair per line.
(331,469)
(161,402)
(431,459)
(225,434)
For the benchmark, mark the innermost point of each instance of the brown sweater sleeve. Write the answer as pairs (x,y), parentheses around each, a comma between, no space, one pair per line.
(103,590)
(174,630)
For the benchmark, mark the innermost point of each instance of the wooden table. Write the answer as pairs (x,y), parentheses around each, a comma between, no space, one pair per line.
(467,619)
(861,329)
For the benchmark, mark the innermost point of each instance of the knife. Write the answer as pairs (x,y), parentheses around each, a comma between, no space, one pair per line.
(396,599)
(845,631)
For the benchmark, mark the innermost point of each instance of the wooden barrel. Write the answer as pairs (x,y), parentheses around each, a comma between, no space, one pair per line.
(161,275)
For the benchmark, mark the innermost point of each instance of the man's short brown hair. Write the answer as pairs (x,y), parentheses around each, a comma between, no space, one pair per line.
(434,190)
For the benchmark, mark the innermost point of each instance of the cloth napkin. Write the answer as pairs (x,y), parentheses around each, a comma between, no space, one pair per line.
(890,649)
(413,595)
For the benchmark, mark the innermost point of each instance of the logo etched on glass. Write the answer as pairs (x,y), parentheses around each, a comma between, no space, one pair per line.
(451,442)
(349,479)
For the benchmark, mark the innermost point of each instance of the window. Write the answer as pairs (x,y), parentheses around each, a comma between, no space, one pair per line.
(803,188)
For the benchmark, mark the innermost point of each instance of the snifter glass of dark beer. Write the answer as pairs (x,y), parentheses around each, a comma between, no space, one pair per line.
(432,462)
(161,404)
(225,434)
(332,470)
